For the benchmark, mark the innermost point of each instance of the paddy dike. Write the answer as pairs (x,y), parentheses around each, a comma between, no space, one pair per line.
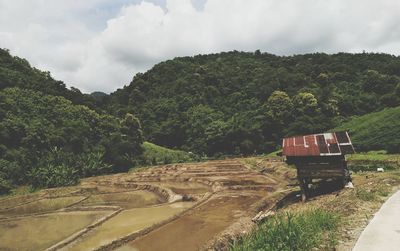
(171,207)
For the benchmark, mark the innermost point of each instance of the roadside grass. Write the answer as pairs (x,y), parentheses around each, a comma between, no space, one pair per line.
(340,216)
(373,194)
(365,195)
(293,231)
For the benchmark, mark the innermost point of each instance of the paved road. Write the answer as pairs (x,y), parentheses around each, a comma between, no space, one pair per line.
(383,232)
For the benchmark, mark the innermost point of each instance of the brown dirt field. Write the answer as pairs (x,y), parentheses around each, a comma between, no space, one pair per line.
(143,206)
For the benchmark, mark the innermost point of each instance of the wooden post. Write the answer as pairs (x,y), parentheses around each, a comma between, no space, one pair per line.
(303,189)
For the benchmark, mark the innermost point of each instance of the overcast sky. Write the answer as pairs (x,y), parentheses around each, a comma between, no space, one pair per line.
(98,45)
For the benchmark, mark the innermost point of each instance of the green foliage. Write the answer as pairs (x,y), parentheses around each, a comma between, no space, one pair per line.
(124,147)
(243,103)
(53,176)
(156,155)
(280,106)
(92,164)
(303,231)
(378,130)
(5,186)
(305,103)
(61,168)
(48,141)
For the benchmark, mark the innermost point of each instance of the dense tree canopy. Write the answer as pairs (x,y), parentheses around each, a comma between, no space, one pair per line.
(238,102)
(47,141)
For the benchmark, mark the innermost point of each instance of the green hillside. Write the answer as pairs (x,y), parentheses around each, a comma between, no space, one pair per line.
(243,103)
(225,103)
(375,131)
(17,72)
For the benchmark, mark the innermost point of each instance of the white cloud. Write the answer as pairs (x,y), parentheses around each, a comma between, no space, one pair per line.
(96,45)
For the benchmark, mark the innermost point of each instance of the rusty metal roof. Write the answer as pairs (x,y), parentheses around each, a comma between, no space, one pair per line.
(322,144)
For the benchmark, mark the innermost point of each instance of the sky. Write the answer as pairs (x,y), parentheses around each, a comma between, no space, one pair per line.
(99,45)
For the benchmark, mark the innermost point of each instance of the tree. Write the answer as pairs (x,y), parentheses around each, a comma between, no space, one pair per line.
(215,134)
(199,118)
(124,148)
(305,103)
(279,106)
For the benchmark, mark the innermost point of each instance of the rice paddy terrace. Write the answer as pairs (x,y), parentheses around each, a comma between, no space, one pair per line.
(171,207)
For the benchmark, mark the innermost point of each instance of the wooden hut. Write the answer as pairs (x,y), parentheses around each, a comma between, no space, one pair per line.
(318,156)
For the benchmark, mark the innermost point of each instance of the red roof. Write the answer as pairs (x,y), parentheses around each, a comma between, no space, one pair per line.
(322,144)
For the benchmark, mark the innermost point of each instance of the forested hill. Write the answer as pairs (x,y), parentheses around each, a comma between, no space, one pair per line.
(17,72)
(238,102)
(48,138)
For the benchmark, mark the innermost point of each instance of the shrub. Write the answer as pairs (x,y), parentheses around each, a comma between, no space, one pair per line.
(90,164)
(53,176)
(5,186)
(60,168)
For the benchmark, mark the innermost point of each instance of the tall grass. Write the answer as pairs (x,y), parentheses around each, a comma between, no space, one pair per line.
(157,155)
(288,231)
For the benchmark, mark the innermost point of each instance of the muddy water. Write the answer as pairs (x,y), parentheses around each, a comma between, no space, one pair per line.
(126,199)
(43,205)
(41,232)
(195,227)
(127,222)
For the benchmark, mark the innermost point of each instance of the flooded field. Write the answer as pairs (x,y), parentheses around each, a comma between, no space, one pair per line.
(40,232)
(171,207)
(127,222)
(194,228)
